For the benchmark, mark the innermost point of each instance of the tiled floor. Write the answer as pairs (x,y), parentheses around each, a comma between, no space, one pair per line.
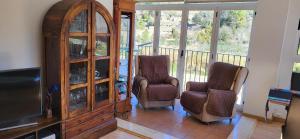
(177,124)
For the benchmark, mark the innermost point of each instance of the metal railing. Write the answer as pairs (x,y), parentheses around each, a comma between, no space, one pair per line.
(173,53)
(196,65)
(196,62)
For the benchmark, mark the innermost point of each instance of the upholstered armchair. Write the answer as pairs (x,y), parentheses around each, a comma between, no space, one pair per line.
(215,99)
(152,84)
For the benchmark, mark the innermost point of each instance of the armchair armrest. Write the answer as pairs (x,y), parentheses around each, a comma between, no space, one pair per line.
(139,85)
(196,86)
(142,81)
(173,81)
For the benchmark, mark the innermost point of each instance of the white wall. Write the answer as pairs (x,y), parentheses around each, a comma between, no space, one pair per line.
(288,53)
(21,31)
(265,52)
(290,46)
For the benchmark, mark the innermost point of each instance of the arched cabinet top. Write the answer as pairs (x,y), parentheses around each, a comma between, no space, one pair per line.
(59,16)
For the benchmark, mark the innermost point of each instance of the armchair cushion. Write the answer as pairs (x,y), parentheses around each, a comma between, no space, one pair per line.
(193,101)
(221,76)
(161,92)
(220,102)
(196,86)
(154,68)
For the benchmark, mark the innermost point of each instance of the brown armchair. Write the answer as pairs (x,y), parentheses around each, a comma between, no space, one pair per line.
(152,84)
(215,99)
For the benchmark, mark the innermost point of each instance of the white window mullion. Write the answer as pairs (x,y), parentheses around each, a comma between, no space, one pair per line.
(215,36)
(156,34)
(182,47)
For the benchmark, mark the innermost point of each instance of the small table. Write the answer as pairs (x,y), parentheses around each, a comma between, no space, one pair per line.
(280,97)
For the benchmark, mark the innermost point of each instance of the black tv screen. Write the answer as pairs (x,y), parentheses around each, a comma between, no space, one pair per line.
(20,96)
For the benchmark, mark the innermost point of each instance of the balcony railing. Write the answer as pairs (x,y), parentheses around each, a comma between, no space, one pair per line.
(196,62)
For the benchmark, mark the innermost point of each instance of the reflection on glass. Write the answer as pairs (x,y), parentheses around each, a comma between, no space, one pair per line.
(78,47)
(124,48)
(101,25)
(79,23)
(102,46)
(78,73)
(77,99)
(102,92)
(102,69)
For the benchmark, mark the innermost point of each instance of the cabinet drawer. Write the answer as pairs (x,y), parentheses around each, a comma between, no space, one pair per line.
(88,116)
(79,129)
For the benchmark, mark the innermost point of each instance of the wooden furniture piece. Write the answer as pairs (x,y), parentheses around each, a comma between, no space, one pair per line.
(52,125)
(280,97)
(124,14)
(79,58)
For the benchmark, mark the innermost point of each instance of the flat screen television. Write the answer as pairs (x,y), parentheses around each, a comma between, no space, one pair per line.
(20,97)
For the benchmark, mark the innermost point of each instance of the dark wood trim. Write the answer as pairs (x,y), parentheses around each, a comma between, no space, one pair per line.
(56,31)
(124,7)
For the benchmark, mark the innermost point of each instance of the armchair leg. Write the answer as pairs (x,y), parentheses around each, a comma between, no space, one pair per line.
(230,120)
(173,107)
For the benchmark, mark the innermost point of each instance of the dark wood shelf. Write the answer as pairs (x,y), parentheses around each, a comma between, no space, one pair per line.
(102,34)
(78,34)
(79,60)
(102,57)
(19,132)
(102,81)
(76,86)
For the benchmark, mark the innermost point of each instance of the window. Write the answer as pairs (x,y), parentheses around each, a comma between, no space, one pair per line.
(195,35)
(296,67)
(170,25)
(144,31)
(234,36)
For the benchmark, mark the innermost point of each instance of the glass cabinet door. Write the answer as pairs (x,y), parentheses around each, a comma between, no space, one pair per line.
(124,49)
(78,64)
(102,61)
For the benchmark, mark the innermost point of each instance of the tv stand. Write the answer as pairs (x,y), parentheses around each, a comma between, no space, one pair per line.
(52,124)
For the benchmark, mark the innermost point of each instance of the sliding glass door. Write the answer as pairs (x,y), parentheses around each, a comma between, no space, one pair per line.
(234,36)
(144,32)
(198,45)
(195,36)
(169,37)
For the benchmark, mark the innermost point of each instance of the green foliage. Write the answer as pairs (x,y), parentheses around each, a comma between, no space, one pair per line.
(203,19)
(296,67)
(204,35)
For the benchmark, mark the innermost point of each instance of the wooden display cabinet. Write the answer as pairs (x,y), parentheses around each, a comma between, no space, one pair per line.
(124,15)
(80,58)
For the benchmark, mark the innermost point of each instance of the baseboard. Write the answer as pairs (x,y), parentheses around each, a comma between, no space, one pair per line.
(259,118)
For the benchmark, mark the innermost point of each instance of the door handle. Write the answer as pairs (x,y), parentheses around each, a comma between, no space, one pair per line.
(181,53)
